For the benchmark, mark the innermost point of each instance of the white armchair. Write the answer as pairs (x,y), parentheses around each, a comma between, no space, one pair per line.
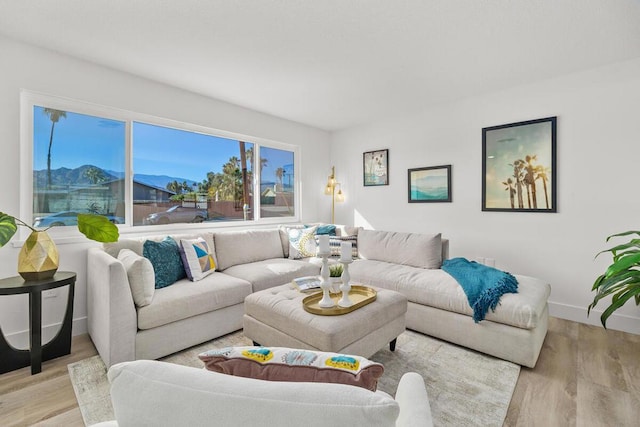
(151,393)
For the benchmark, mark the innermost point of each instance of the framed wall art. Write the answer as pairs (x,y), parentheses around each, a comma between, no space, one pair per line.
(430,184)
(519,167)
(375,168)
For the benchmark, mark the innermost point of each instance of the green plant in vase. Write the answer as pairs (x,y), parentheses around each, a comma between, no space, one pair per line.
(38,258)
(335,274)
(336,270)
(621,280)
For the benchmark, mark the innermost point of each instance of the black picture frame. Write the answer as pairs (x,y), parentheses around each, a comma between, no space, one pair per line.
(519,172)
(375,168)
(430,184)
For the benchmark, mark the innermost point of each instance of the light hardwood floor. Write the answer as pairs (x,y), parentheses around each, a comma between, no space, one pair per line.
(585,376)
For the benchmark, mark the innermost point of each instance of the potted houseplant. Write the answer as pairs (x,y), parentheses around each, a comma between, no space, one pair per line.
(621,280)
(38,258)
(335,274)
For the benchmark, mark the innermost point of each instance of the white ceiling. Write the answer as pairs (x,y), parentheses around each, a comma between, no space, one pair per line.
(333,64)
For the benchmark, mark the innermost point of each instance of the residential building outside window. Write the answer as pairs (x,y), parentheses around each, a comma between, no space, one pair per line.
(277,183)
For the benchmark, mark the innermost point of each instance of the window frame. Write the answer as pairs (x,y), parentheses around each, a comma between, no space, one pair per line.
(29,99)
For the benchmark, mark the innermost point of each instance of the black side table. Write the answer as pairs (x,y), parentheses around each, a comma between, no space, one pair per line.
(12,358)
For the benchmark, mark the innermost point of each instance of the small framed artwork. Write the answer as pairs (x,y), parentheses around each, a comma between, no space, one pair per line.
(519,167)
(430,185)
(375,168)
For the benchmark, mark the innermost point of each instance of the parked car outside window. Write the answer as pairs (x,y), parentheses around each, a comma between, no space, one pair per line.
(177,214)
(68,218)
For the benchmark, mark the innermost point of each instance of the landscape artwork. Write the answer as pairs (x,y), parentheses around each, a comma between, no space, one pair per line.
(430,184)
(518,167)
(376,167)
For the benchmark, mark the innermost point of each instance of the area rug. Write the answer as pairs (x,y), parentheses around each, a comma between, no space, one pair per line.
(465,388)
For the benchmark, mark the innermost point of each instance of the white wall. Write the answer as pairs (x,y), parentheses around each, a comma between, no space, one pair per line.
(27,67)
(597,159)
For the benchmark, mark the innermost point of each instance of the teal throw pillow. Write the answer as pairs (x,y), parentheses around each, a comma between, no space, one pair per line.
(166,261)
(329,229)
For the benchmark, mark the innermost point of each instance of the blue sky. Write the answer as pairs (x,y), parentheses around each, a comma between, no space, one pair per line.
(82,139)
(78,140)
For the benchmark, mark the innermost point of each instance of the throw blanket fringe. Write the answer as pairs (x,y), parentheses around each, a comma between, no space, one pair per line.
(483,285)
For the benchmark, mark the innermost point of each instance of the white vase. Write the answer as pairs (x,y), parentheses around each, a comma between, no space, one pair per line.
(335,284)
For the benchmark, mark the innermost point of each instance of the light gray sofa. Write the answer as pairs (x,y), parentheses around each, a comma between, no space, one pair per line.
(409,263)
(150,393)
(188,313)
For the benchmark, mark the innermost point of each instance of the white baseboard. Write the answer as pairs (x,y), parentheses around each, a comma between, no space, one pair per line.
(20,340)
(617,322)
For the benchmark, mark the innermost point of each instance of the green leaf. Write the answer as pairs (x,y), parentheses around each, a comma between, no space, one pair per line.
(98,228)
(626,233)
(8,228)
(631,246)
(618,301)
(618,278)
(625,262)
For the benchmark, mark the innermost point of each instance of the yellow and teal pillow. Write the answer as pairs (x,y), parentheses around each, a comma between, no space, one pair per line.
(197,258)
(286,364)
(302,242)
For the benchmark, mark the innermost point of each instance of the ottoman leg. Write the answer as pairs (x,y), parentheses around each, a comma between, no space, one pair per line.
(392,344)
(256,344)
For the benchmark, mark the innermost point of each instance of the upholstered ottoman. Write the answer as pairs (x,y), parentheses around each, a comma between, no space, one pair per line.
(275,317)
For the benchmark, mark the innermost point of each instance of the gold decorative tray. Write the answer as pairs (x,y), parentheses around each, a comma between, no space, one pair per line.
(359,295)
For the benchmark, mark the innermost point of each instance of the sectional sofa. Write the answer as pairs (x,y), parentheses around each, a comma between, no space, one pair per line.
(191,312)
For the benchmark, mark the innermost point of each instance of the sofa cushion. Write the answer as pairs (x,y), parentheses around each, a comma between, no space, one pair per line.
(413,249)
(335,243)
(141,276)
(146,392)
(242,247)
(436,288)
(166,261)
(197,258)
(286,364)
(114,248)
(186,299)
(272,272)
(346,230)
(302,242)
(283,230)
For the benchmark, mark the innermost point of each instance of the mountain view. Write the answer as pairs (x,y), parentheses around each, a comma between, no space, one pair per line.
(85,175)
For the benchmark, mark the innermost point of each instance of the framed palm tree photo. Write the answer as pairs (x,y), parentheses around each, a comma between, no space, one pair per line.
(375,167)
(519,167)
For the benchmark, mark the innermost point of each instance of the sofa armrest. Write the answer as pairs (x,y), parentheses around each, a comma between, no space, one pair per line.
(111,313)
(414,402)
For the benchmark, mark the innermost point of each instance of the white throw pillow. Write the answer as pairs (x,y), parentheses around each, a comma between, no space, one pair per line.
(141,276)
(197,258)
(302,242)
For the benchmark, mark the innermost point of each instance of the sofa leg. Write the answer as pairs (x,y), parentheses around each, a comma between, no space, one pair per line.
(256,344)
(392,344)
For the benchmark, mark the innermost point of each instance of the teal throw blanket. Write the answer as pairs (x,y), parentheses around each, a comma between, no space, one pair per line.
(483,285)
